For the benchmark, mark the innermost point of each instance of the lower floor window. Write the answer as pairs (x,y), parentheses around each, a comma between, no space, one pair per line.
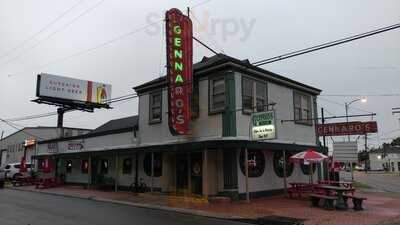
(127,166)
(104,166)
(157,164)
(305,168)
(279,164)
(256,162)
(85,166)
(68,168)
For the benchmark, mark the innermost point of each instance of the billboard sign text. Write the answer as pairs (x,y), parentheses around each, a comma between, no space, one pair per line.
(74,90)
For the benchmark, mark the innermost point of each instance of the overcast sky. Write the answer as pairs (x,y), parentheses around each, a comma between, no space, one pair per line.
(254,29)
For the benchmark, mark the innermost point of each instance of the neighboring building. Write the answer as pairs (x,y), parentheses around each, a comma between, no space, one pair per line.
(386,158)
(99,146)
(209,161)
(12,147)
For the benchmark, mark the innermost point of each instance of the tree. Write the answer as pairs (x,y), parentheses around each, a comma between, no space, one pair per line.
(395,142)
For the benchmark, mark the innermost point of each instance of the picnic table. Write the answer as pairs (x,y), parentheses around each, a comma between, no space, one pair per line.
(340,191)
(300,188)
(23,181)
(336,183)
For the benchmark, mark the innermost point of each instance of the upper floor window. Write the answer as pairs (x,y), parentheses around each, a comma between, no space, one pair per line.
(217,94)
(155,107)
(302,108)
(254,95)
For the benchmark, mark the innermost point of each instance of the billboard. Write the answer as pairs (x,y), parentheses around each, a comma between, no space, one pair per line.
(350,128)
(179,70)
(345,152)
(64,89)
(263,126)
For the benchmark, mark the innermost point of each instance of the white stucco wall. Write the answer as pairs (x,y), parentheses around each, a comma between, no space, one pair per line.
(288,132)
(269,180)
(204,127)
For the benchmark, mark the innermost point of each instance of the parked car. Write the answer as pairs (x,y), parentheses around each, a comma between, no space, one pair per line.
(2,177)
(12,170)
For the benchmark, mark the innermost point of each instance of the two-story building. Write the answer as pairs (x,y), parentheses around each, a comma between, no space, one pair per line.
(211,160)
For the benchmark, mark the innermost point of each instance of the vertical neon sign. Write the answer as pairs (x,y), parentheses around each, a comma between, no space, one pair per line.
(179,70)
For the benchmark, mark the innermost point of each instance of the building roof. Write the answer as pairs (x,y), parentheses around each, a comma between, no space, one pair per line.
(242,65)
(41,127)
(116,126)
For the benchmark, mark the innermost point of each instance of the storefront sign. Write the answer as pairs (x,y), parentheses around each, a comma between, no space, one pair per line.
(74,146)
(30,142)
(263,126)
(52,148)
(350,128)
(180,72)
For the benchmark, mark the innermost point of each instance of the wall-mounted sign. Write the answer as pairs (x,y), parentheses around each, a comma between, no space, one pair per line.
(30,142)
(74,146)
(179,70)
(350,128)
(263,126)
(52,147)
(65,89)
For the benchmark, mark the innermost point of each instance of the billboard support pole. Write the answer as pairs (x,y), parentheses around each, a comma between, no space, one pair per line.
(60,120)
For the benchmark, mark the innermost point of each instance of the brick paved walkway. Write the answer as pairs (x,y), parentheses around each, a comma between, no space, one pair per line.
(378,208)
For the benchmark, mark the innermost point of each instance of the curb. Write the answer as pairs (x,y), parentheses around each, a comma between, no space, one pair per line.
(142,205)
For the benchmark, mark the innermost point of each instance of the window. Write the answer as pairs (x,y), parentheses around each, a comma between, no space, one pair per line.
(278,164)
(104,166)
(155,107)
(84,166)
(157,164)
(256,160)
(217,95)
(302,108)
(305,168)
(68,168)
(195,105)
(254,95)
(127,166)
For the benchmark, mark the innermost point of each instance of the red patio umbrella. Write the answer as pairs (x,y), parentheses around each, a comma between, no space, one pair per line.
(309,157)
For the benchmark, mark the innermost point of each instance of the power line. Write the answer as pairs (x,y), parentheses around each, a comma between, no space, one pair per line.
(326,45)
(342,104)
(55,32)
(208,35)
(103,44)
(368,95)
(15,126)
(42,29)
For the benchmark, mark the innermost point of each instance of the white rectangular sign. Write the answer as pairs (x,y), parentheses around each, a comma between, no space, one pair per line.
(263,126)
(53,86)
(345,151)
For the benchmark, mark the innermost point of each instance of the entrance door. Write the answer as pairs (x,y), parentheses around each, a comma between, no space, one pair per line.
(197,173)
(93,168)
(181,172)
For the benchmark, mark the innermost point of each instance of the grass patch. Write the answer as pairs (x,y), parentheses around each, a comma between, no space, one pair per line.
(361,185)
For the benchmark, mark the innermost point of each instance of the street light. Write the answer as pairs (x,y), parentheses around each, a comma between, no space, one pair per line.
(363,100)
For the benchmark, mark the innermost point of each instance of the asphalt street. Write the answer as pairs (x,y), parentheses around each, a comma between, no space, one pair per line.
(380,182)
(23,208)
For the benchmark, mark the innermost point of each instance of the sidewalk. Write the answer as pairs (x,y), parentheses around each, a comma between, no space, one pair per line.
(378,208)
